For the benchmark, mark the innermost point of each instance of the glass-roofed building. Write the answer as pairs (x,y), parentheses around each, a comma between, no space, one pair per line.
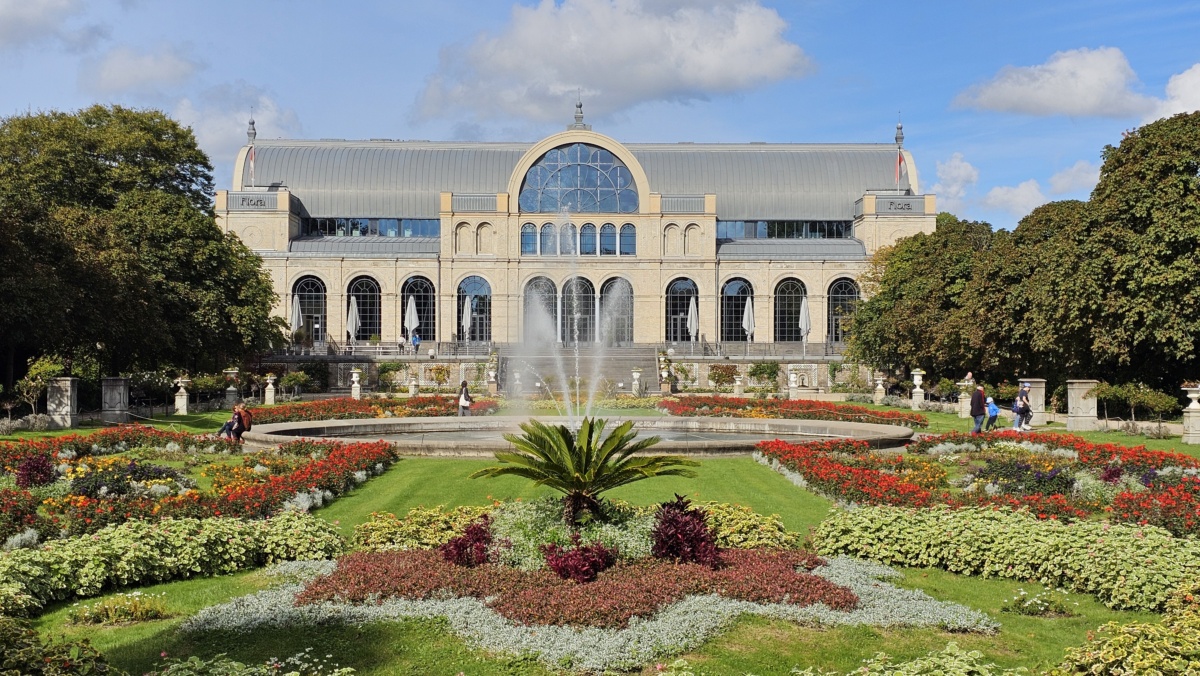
(614,243)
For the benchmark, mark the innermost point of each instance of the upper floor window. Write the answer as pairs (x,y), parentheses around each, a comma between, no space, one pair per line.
(578,178)
(362,227)
(784,229)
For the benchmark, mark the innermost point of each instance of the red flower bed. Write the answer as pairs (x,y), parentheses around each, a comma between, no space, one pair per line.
(796,409)
(543,598)
(1135,459)
(347,409)
(107,440)
(18,511)
(1175,508)
(854,484)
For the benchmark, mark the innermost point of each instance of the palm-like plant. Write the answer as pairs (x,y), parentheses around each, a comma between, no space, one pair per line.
(585,464)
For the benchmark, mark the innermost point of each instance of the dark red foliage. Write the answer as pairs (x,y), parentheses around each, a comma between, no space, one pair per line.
(543,598)
(1111,474)
(682,535)
(36,470)
(581,563)
(471,548)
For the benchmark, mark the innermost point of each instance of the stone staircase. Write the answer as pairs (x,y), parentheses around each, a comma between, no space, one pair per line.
(614,364)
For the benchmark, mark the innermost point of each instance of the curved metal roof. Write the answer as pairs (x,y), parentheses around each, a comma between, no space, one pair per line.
(402,179)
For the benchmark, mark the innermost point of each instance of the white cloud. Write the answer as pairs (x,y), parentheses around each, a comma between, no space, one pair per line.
(955,177)
(24,22)
(1082,175)
(122,70)
(1183,95)
(1079,82)
(1017,200)
(620,53)
(219,118)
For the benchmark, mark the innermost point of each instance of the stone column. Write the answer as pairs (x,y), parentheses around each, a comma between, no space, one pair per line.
(355,387)
(793,380)
(918,395)
(636,386)
(1037,400)
(1191,417)
(114,400)
(879,393)
(965,389)
(181,395)
(62,402)
(269,391)
(1081,408)
(231,392)
(738,389)
(412,386)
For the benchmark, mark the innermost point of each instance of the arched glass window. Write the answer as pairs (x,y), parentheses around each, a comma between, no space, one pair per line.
(477,292)
(529,239)
(680,294)
(578,178)
(616,312)
(424,302)
(579,311)
(364,292)
(549,240)
(792,320)
(737,311)
(587,240)
(541,311)
(311,292)
(566,239)
(843,297)
(628,240)
(608,240)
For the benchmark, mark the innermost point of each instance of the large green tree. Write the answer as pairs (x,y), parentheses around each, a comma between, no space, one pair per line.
(109,249)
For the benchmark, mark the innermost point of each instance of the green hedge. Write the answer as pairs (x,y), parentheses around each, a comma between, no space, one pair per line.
(142,552)
(1126,567)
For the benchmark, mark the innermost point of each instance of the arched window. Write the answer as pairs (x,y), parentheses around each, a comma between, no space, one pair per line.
(792,320)
(541,311)
(680,295)
(363,304)
(628,240)
(476,293)
(423,306)
(579,311)
(549,240)
(616,312)
(737,311)
(566,239)
(587,240)
(311,293)
(843,297)
(578,178)
(529,239)
(608,240)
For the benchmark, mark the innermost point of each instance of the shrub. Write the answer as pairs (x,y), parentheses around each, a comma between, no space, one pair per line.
(722,374)
(121,608)
(8,426)
(581,563)
(24,653)
(471,548)
(681,534)
(739,527)
(1045,603)
(765,371)
(421,528)
(38,422)
(1171,648)
(36,470)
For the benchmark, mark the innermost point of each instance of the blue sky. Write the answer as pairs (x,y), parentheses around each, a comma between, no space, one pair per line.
(1005,105)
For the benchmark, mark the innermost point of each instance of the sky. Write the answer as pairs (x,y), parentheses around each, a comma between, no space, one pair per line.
(1005,106)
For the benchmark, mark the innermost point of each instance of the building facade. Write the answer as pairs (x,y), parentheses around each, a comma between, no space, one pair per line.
(575,238)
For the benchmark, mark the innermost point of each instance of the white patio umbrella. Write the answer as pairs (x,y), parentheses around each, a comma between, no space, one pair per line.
(466,318)
(411,321)
(748,319)
(805,326)
(297,318)
(693,320)
(352,319)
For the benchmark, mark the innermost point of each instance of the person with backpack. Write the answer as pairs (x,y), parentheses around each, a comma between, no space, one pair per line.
(416,342)
(1022,411)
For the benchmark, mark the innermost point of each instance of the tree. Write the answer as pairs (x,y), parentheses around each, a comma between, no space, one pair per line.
(583,466)
(30,388)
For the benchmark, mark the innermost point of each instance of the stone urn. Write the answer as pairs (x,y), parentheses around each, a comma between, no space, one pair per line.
(1193,393)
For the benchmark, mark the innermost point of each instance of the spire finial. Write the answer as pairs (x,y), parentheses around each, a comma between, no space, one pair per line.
(251,133)
(579,113)
(899,131)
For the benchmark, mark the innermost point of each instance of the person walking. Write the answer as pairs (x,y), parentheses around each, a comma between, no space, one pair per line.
(978,408)
(993,413)
(1023,409)
(464,400)
(416,342)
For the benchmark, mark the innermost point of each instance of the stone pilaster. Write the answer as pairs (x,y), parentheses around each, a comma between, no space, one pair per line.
(114,400)
(62,402)
(1081,408)
(1037,400)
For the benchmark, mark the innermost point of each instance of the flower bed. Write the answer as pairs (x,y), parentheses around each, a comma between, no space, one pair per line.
(1126,567)
(349,409)
(797,409)
(544,598)
(1135,459)
(107,441)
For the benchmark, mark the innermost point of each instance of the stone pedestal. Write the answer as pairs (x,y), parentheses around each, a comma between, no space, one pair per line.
(114,400)
(1037,400)
(181,396)
(355,386)
(1081,409)
(412,387)
(269,392)
(636,386)
(664,387)
(231,392)
(918,398)
(62,402)
(738,388)
(1191,417)
(965,388)
(879,392)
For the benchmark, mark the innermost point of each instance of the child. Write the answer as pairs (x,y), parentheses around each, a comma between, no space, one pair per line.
(993,413)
